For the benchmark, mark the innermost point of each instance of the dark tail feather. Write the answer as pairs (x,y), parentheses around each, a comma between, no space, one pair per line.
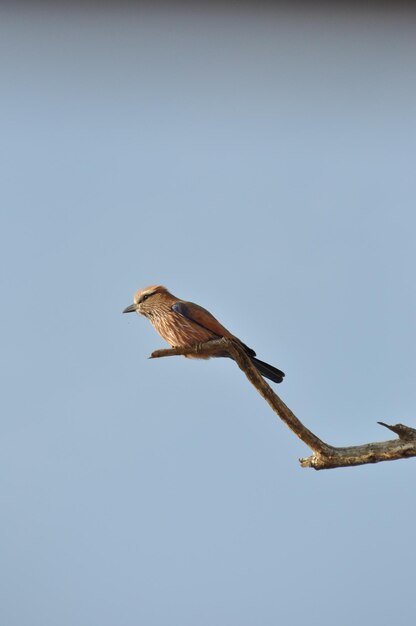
(268,371)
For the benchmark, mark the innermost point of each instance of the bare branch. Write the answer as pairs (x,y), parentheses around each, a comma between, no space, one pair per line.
(405,432)
(324,455)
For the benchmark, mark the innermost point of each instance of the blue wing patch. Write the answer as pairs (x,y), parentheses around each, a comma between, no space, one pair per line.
(182,309)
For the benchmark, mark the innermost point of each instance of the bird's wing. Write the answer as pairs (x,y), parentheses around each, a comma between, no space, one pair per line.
(200,316)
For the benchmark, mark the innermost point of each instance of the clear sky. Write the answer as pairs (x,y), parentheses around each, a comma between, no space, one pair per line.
(260,162)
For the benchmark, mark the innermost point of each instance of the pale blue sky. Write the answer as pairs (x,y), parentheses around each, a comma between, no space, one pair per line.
(262,164)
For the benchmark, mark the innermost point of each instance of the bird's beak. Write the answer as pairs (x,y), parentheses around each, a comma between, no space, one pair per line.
(130,309)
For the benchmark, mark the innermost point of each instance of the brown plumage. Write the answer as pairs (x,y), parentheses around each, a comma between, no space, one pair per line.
(184,324)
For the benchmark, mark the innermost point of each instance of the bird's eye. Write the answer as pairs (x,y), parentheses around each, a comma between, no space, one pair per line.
(146,295)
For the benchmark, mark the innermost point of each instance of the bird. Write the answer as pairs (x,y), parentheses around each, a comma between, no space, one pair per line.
(184,324)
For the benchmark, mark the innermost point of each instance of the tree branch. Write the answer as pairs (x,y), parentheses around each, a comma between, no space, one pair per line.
(324,456)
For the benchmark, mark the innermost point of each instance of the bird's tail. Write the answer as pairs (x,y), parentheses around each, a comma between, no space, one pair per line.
(268,371)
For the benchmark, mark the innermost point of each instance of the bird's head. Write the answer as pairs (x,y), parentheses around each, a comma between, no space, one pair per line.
(146,301)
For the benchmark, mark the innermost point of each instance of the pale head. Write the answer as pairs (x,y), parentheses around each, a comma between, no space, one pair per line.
(147,300)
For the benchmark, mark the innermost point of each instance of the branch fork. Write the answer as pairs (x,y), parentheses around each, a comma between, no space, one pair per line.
(324,456)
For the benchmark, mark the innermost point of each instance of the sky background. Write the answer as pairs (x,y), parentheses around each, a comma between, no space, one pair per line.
(257,161)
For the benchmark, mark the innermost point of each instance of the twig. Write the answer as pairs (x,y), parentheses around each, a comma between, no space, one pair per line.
(324,455)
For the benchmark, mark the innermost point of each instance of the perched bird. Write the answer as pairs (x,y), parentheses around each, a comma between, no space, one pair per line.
(184,324)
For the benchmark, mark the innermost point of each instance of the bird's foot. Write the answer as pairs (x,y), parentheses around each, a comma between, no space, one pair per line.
(198,347)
